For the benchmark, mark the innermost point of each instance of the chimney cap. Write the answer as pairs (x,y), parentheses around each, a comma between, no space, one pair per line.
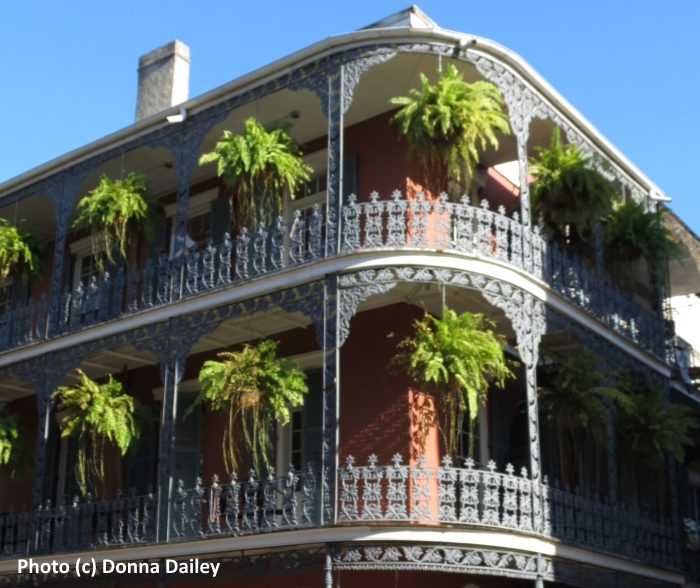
(164,51)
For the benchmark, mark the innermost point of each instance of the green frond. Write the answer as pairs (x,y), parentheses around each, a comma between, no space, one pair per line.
(651,423)
(455,358)
(14,448)
(258,165)
(97,415)
(255,388)
(115,212)
(567,190)
(631,233)
(21,253)
(575,395)
(450,121)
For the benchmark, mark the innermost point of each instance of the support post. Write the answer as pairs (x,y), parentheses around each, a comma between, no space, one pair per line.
(331,388)
(335,159)
(183,167)
(539,581)
(328,567)
(171,374)
(520,123)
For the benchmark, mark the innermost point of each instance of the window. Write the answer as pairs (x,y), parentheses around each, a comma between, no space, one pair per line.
(311,192)
(199,221)
(299,442)
(87,270)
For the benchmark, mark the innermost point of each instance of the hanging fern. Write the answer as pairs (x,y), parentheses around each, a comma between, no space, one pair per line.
(98,415)
(650,427)
(255,388)
(115,212)
(454,358)
(631,233)
(446,123)
(14,450)
(567,190)
(574,399)
(257,165)
(21,253)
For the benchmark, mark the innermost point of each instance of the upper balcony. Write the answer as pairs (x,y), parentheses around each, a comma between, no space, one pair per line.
(382,226)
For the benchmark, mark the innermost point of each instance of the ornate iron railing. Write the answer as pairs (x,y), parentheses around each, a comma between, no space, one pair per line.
(480,232)
(393,223)
(486,498)
(83,524)
(395,494)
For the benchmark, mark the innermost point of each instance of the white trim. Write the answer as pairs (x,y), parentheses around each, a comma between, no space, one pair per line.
(196,205)
(345,262)
(307,361)
(83,246)
(365,534)
(192,385)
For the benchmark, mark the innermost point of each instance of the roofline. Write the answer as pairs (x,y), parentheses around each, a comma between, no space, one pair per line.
(319,50)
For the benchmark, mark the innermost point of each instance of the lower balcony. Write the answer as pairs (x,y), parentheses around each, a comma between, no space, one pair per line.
(395,495)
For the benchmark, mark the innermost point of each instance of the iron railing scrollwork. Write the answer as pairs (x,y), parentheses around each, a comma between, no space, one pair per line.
(398,493)
(394,223)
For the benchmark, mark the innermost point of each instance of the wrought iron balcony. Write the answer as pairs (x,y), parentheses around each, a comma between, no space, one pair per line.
(377,224)
(396,494)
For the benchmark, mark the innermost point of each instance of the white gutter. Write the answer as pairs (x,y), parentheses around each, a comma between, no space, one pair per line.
(314,52)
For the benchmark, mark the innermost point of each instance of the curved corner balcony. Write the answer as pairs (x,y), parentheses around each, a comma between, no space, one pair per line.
(372,495)
(417,224)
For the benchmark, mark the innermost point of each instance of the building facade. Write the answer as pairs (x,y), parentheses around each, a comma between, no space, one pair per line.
(355,496)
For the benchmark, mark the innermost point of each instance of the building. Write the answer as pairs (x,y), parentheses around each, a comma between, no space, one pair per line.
(353,259)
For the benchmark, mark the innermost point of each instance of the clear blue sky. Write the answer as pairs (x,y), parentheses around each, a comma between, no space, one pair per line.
(631,67)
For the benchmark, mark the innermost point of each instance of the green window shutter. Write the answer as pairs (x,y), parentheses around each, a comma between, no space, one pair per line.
(188,441)
(500,435)
(349,175)
(157,246)
(67,274)
(312,420)
(51,462)
(142,469)
(71,488)
(220,220)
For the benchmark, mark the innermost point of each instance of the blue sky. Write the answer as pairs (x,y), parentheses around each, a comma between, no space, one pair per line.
(630,67)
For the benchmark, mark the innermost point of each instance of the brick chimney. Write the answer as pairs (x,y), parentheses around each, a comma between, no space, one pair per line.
(163,79)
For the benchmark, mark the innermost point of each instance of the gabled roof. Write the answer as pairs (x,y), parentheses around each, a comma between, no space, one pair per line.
(409,17)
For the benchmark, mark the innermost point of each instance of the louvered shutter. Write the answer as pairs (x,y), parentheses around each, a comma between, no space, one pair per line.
(220,220)
(312,420)
(156,246)
(142,470)
(188,433)
(500,435)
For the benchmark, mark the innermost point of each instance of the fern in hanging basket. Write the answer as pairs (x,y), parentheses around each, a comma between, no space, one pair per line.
(445,124)
(21,253)
(98,416)
(255,389)
(257,166)
(14,449)
(574,398)
(454,358)
(567,190)
(651,428)
(115,212)
(630,233)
